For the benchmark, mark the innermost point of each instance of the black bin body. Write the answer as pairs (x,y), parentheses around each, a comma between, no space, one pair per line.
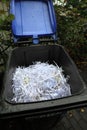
(42,114)
(25,56)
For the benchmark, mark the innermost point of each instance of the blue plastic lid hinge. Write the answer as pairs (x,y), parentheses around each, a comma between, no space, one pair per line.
(35,39)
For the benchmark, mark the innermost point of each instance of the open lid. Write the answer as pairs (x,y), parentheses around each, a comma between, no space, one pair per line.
(33,18)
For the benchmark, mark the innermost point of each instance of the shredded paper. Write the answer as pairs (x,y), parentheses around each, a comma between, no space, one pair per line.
(38,82)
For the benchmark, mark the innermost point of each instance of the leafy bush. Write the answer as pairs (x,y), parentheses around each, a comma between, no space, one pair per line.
(72,28)
(5,31)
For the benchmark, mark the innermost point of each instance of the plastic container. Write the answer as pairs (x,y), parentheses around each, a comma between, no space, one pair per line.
(42,53)
(42,114)
(33,18)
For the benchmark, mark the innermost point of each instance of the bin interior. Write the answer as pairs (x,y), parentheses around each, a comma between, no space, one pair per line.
(33,18)
(25,56)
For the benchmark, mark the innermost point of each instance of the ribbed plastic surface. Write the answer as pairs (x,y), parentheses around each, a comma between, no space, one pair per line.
(33,18)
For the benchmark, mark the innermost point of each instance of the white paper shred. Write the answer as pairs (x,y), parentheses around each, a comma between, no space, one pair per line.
(40,81)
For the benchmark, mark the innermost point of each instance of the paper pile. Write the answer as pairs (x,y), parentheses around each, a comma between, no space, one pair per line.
(38,82)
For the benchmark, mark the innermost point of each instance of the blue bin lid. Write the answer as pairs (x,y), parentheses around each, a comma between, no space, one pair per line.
(33,18)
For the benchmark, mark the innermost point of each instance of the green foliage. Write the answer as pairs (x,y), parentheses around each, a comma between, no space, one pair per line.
(5,31)
(72,28)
